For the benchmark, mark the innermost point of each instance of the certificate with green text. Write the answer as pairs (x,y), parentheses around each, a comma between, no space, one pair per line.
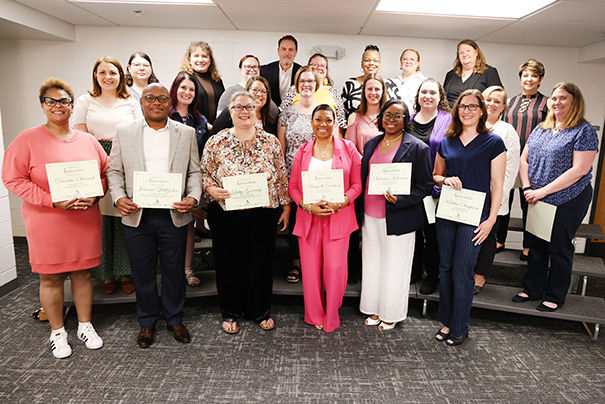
(156,190)
(74,179)
(247,191)
(327,185)
(394,177)
(463,206)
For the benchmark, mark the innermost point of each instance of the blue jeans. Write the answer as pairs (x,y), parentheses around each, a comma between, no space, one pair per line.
(458,260)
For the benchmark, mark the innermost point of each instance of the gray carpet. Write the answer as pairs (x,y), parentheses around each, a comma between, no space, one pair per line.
(508,358)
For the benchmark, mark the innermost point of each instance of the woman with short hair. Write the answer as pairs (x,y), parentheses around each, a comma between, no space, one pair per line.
(351,92)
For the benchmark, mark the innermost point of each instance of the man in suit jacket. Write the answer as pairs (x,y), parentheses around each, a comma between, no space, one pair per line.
(280,74)
(156,144)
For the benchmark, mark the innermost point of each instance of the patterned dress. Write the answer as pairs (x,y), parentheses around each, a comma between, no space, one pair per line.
(298,132)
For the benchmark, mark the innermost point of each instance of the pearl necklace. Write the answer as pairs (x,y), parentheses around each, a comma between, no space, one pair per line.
(392,140)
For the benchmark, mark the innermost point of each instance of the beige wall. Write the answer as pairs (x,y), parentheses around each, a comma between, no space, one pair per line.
(25,64)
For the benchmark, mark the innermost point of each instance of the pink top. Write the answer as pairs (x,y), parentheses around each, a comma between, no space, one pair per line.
(360,132)
(59,240)
(374,205)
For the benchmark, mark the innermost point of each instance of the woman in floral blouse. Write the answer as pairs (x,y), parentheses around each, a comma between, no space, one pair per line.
(244,239)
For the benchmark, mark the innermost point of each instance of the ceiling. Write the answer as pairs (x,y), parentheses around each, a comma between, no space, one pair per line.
(565,23)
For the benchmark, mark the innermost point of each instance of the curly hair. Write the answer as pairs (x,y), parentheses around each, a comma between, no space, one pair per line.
(186,60)
(53,82)
(443,105)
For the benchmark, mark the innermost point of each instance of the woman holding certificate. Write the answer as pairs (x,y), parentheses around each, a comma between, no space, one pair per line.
(98,113)
(293,130)
(245,182)
(64,237)
(555,169)
(390,219)
(323,224)
(429,125)
(469,159)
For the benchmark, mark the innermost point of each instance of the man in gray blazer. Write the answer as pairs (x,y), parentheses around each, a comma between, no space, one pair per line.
(156,144)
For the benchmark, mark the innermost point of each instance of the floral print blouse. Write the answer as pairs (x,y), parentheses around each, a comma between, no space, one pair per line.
(298,132)
(225,156)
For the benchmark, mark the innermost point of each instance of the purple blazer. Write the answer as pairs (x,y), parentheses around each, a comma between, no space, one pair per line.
(343,223)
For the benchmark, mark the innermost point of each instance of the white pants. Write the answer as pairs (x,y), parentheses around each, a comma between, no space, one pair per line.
(386,271)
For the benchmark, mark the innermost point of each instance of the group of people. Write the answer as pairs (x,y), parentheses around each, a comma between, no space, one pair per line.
(283,121)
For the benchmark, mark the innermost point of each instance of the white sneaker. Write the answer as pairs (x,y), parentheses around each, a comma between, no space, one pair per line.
(90,337)
(59,345)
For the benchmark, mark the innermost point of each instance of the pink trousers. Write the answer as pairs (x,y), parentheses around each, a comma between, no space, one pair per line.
(324,265)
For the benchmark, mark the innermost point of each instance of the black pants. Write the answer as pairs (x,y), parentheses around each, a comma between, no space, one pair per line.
(426,251)
(502,231)
(292,239)
(488,251)
(243,242)
(553,282)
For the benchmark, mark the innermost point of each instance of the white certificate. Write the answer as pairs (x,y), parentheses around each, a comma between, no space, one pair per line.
(430,206)
(540,218)
(156,190)
(327,185)
(247,191)
(76,178)
(394,177)
(464,206)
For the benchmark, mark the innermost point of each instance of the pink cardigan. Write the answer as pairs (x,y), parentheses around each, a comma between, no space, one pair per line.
(343,223)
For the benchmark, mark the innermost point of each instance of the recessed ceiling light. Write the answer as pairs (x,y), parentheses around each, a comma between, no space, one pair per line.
(513,9)
(161,2)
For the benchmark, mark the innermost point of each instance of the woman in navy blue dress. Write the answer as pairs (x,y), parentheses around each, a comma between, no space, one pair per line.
(473,158)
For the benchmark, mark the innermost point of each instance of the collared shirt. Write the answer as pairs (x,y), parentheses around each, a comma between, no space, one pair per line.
(225,156)
(285,78)
(156,144)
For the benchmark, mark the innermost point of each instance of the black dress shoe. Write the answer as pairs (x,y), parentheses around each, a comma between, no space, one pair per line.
(545,308)
(499,249)
(523,257)
(180,332)
(145,337)
(429,286)
(519,299)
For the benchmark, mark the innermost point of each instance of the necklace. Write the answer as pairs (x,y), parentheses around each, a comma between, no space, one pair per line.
(63,138)
(325,150)
(392,140)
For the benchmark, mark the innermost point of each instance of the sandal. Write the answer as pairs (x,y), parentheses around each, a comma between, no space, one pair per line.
(371,321)
(192,280)
(231,323)
(319,326)
(294,275)
(386,327)
(40,314)
(442,335)
(267,327)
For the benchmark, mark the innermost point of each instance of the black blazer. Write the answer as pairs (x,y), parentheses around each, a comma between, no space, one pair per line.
(271,73)
(490,77)
(202,99)
(407,215)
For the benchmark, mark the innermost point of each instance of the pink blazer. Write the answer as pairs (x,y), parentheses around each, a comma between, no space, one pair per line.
(343,223)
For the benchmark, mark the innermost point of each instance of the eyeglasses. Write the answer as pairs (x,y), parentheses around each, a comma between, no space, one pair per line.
(51,102)
(371,60)
(249,67)
(470,107)
(249,107)
(139,65)
(318,65)
(395,117)
(255,91)
(301,81)
(162,99)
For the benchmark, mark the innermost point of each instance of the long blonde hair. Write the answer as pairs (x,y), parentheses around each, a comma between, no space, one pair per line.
(576,113)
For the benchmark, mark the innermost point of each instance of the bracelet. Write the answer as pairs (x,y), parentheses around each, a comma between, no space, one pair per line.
(339,205)
(526,188)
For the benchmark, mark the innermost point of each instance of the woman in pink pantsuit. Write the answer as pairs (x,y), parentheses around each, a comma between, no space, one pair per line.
(323,227)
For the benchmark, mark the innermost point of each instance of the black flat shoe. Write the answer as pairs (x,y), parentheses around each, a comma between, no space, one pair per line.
(523,257)
(451,341)
(428,286)
(519,299)
(499,249)
(545,308)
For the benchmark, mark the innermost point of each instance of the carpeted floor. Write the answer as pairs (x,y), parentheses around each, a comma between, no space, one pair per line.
(507,359)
